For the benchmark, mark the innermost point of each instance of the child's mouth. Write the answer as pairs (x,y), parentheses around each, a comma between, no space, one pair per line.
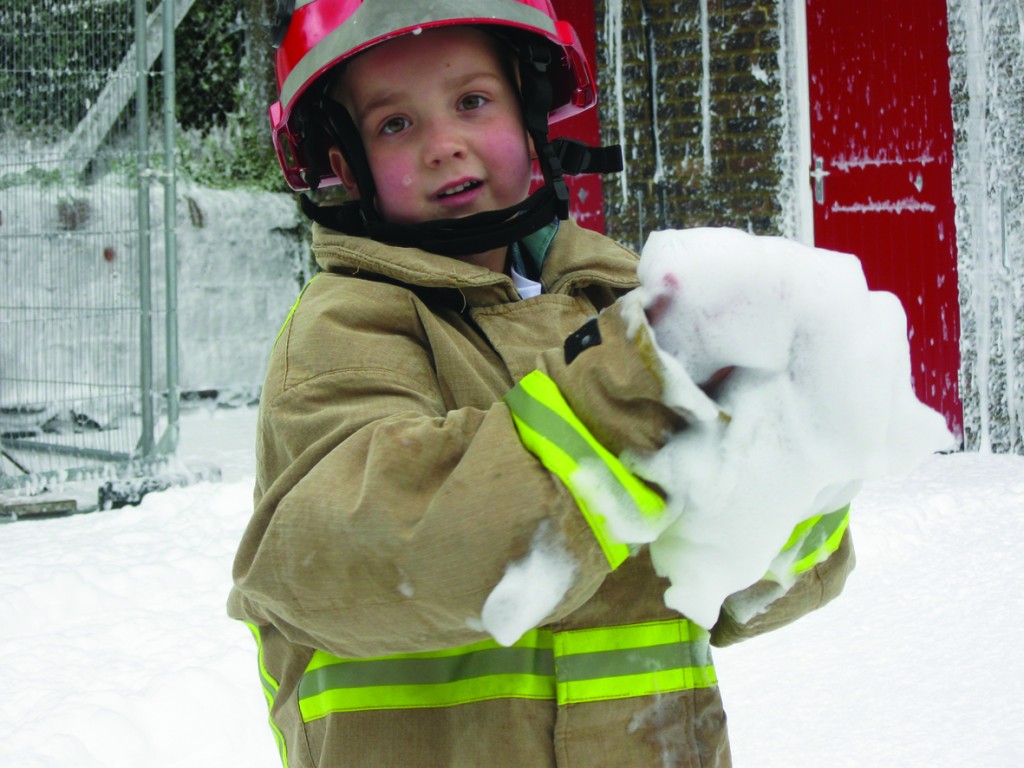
(458,189)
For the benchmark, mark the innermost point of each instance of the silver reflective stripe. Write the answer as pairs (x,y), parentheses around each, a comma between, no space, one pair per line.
(477,672)
(376,19)
(649,658)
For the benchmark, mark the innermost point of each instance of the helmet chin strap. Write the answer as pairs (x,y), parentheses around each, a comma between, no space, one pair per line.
(465,236)
(479,232)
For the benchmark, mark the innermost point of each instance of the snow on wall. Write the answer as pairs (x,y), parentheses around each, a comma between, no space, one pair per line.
(72,255)
(987,73)
(239,274)
(794,219)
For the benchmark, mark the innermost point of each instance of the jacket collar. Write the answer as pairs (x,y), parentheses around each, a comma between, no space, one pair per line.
(575,258)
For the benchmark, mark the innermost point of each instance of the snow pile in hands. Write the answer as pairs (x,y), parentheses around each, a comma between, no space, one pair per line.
(819,400)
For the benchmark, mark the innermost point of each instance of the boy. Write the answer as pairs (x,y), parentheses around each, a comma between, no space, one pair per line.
(425,408)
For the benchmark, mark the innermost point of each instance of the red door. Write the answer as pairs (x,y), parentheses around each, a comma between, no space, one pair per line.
(882,154)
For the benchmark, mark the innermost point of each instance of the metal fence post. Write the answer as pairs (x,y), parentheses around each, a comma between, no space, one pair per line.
(146,439)
(169,440)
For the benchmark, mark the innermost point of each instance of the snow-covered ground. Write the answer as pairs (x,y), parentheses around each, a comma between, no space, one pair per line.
(115,651)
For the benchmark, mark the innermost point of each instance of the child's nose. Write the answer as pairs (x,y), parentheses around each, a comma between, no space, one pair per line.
(443,142)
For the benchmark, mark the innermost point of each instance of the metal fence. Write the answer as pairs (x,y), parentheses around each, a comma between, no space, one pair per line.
(88,340)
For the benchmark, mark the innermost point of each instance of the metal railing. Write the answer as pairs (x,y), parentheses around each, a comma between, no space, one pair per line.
(88,325)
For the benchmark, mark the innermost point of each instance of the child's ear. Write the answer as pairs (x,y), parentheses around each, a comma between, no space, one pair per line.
(341,169)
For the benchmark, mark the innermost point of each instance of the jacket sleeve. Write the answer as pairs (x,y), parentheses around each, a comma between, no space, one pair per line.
(810,571)
(383,519)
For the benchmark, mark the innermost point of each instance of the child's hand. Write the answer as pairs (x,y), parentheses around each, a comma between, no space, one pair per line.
(660,302)
(714,383)
(644,310)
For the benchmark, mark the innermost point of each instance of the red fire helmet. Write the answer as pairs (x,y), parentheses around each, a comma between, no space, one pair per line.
(314,36)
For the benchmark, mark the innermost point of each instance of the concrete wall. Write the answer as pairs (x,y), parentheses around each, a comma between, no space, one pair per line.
(242,258)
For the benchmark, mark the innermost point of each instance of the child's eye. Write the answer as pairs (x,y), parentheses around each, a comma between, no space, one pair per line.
(472,101)
(394,125)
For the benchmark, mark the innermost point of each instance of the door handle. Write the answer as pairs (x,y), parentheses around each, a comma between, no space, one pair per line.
(818,174)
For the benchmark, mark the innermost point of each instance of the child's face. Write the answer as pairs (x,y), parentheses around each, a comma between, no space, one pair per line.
(441,124)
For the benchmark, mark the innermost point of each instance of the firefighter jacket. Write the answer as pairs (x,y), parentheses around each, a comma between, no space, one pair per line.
(418,426)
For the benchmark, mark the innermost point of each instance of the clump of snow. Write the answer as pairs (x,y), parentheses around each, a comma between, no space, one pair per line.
(530,589)
(818,400)
(759,74)
(606,498)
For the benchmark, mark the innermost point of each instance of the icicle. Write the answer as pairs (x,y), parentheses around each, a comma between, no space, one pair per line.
(705,85)
(652,54)
(613,41)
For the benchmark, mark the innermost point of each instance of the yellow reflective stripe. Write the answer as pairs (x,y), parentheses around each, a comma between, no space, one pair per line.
(811,542)
(544,390)
(596,639)
(552,432)
(477,672)
(421,696)
(632,660)
(642,684)
(562,466)
(270,688)
(800,532)
(294,307)
(822,540)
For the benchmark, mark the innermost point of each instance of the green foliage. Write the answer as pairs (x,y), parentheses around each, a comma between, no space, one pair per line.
(57,57)
(221,92)
(209,48)
(54,58)
(38,176)
(229,155)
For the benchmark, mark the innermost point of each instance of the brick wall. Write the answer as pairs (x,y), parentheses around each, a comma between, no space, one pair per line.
(702,133)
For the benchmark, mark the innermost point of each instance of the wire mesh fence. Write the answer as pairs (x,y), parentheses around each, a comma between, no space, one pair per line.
(87,278)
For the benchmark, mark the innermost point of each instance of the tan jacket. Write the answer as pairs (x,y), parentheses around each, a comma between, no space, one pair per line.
(393,490)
